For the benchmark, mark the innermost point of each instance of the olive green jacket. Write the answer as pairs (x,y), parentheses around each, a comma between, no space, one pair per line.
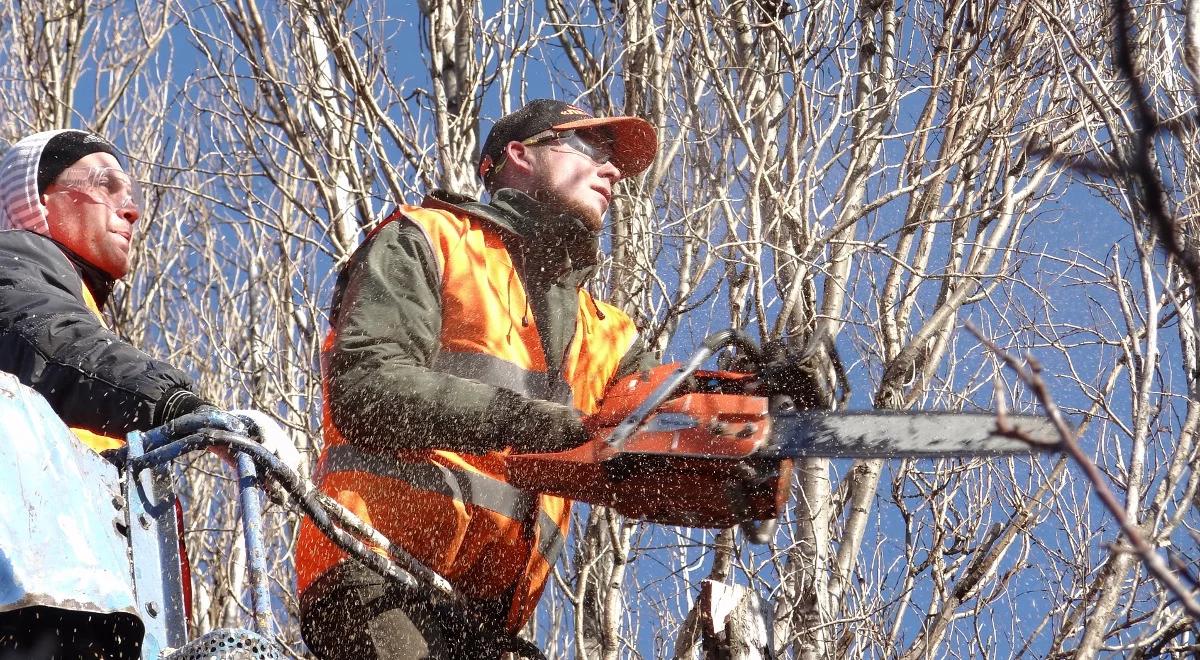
(387,318)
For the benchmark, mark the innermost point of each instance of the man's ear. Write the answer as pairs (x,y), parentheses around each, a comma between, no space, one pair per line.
(44,211)
(518,157)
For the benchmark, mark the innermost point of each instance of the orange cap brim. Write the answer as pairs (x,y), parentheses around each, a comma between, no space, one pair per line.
(635,142)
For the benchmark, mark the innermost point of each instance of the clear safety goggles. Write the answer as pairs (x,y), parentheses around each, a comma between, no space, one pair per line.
(596,146)
(109,186)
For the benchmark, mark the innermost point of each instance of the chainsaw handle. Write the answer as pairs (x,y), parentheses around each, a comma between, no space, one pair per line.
(714,344)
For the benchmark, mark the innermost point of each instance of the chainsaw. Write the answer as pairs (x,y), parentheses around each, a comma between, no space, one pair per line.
(678,445)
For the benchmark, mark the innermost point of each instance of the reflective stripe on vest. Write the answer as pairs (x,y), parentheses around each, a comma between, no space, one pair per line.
(497,372)
(472,488)
(550,538)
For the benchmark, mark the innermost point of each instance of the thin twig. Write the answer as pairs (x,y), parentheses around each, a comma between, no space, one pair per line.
(1141,168)
(1030,373)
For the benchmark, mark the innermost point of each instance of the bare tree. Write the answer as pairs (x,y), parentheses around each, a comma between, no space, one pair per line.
(848,180)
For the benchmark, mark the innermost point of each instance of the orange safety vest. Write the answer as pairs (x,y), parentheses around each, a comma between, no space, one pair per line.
(92,439)
(455,512)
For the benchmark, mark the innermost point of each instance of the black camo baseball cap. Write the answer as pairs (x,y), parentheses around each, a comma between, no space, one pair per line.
(634,140)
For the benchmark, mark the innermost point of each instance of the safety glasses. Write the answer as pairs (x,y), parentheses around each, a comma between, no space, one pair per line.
(109,186)
(596,146)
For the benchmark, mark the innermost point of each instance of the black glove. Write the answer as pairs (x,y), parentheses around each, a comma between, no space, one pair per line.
(807,382)
(176,403)
(205,416)
(533,426)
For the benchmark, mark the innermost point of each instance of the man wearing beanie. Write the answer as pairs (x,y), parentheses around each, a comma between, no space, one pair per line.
(461,333)
(67,216)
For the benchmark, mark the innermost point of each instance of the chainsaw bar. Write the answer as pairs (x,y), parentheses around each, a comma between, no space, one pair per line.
(876,434)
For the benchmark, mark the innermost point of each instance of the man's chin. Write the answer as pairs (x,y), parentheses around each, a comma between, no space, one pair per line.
(593,221)
(591,215)
(116,267)
(588,214)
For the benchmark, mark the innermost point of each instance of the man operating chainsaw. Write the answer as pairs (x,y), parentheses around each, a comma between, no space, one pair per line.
(461,333)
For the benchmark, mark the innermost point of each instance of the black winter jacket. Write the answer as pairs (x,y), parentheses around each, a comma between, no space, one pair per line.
(54,344)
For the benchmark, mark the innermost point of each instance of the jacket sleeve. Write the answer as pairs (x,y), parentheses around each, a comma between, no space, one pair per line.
(54,344)
(382,392)
(639,357)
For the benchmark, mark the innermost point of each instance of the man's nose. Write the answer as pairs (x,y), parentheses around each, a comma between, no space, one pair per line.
(610,171)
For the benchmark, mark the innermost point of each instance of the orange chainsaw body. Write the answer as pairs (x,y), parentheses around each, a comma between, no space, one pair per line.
(693,462)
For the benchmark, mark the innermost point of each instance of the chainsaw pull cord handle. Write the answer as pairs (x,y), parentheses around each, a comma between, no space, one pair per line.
(712,345)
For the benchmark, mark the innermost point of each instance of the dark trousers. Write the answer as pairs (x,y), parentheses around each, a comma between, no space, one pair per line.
(350,613)
(48,633)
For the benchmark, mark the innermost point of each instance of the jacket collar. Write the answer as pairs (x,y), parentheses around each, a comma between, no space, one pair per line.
(99,283)
(552,244)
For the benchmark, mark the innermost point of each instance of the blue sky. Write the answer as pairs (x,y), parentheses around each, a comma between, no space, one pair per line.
(1077,221)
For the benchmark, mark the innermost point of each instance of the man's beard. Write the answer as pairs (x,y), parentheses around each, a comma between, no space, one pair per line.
(588,216)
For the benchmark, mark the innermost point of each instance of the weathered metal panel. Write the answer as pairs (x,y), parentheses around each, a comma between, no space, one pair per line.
(62,542)
(154,548)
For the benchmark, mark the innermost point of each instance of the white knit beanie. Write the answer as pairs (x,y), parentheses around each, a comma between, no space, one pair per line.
(20,207)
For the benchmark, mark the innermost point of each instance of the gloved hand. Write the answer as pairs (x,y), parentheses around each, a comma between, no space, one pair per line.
(536,426)
(268,433)
(810,378)
(205,416)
